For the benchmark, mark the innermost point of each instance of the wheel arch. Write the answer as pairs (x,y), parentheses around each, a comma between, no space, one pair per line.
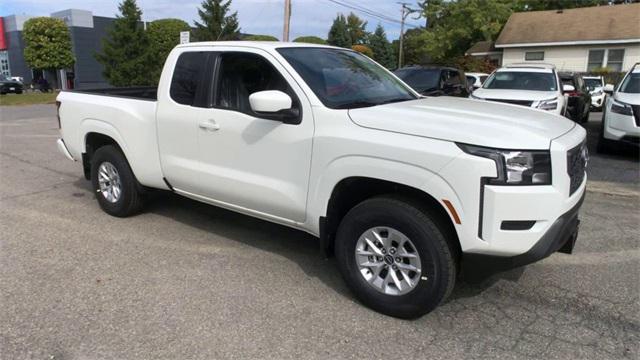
(92,141)
(351,191)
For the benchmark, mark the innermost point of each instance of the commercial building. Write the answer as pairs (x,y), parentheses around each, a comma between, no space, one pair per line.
(87,32)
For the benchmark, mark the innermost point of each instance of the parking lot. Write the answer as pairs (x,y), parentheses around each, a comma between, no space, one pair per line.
(184,280)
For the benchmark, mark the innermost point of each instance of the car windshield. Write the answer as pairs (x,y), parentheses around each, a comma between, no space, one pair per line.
(522,80)
(420,79)
(631,84)
(344,79)
(592,84)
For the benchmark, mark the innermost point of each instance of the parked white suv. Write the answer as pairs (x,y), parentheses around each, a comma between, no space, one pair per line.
(532,85)
(407,191)
(595,85)
(476,79)
(621,115)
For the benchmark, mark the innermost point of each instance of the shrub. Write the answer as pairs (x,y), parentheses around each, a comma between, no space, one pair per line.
(260,38)
(310,40)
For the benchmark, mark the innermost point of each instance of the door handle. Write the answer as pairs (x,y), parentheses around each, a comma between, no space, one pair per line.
(209,125)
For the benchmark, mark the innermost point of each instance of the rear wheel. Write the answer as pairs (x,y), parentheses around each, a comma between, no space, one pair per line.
(115,186)
(395,257)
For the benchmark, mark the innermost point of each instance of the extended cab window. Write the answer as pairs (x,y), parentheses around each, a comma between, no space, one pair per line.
(187,87)
(242,74)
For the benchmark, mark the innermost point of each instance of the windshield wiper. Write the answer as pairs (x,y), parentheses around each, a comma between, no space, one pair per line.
(356,104)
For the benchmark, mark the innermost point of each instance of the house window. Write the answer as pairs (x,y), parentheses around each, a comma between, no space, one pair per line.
(534,56)
(596,59)
(615,59)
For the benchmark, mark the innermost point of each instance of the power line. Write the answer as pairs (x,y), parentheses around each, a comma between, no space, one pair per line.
(371,13)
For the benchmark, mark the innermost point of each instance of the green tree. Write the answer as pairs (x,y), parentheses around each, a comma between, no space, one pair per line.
(459,24)
(125,51)
(216,23)
(356,28)
(164,35)
(310,40)
(381,48)
(339,34)
(47,44)
(260,38)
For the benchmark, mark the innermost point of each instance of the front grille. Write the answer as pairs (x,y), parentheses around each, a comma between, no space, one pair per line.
(515,102)
(576,165)
(636,113)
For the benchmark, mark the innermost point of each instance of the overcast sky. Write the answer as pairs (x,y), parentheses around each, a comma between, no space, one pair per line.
(309,17)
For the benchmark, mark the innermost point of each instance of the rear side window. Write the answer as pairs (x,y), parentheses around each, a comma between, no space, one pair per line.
(186,84)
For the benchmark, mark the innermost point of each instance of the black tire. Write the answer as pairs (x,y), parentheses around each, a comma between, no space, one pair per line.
(438,260)
(130,200)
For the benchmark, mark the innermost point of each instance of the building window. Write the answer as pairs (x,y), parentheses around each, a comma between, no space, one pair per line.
(596,59)
(609,58)
(615,59)
(4,63)
(534,56)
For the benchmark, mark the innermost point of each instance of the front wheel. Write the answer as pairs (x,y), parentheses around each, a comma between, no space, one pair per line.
(116,188)
(395,258)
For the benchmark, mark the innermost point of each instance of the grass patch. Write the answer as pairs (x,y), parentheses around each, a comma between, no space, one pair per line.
(28,98)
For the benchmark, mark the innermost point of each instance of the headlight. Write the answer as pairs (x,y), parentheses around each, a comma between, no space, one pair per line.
(515,167)
(619,107)
(551,104)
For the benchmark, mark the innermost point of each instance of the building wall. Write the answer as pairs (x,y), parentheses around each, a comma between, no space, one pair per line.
(86,43)
(572,58)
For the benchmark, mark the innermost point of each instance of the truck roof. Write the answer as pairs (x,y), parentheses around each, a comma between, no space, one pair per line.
(267,45)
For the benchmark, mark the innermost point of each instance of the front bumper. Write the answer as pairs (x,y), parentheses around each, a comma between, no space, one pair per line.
(561,236)
(620,127)
(597,101)
(10,88)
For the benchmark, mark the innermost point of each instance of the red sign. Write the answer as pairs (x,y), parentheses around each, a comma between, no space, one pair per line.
(3,42)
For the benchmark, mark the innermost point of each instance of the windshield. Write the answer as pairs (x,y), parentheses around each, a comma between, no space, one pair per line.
(344,79)
(522,80)
(631,84)
(420,79)
(592,84)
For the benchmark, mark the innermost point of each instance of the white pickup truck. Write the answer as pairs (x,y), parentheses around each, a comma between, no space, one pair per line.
(406,191)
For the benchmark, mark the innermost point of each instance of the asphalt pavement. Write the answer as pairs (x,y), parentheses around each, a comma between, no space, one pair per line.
(185,280)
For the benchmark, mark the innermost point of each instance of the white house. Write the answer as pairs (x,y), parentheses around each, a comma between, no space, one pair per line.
(579,40)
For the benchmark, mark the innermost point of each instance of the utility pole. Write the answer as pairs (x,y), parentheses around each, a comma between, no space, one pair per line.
(405,12)
(287,20)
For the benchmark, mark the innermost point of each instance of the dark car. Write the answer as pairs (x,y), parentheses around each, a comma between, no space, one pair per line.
(435,80)
(9,86)
(579,100)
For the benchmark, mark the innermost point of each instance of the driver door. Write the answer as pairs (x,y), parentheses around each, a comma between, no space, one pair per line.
(250,163)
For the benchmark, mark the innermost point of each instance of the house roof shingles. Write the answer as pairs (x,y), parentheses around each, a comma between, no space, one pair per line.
(482,47)
(599,23)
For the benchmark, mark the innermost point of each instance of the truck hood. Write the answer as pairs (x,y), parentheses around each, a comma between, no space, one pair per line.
(500,94)
(629,98)
(467,121)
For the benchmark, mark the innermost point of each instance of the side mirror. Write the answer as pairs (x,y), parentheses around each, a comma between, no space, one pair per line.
(568,88)
(608,88)
(274,105)
(269,101)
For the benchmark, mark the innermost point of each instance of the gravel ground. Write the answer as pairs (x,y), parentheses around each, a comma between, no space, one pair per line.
(185,281)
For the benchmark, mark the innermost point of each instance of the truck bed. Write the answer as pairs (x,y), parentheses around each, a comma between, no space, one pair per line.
(141,93)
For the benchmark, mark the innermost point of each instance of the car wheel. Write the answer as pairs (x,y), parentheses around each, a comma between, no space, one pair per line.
(116,188)
(395,257)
